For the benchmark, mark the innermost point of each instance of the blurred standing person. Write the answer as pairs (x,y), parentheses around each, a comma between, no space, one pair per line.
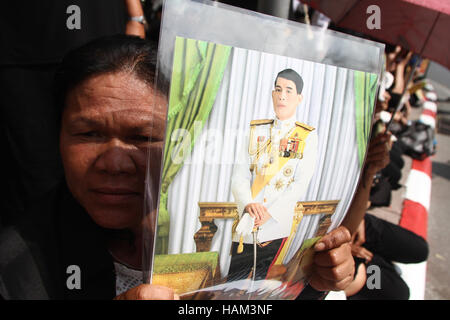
(35,35)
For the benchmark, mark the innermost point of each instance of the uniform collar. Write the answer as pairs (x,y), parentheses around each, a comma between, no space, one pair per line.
(288,123)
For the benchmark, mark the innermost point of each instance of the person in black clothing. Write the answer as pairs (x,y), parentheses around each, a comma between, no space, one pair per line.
(376,242)
(110,117)
(35,35)
(379,243)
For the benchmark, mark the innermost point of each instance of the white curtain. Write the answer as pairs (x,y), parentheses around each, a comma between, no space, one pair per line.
(245,95)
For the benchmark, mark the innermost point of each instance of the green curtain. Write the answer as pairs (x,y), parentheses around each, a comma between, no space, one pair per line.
(198,69)
(365,85)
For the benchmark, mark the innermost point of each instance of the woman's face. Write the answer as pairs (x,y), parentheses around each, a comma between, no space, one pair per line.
(106,127)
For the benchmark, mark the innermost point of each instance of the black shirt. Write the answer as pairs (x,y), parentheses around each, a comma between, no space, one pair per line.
(35,254)
(36,32)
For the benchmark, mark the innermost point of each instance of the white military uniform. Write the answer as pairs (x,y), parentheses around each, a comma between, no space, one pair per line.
(285,187)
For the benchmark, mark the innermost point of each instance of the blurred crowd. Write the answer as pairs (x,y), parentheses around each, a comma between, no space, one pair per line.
(378,242)
(397,97)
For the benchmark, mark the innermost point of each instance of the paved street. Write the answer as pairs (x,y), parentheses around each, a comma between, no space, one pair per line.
(438,276)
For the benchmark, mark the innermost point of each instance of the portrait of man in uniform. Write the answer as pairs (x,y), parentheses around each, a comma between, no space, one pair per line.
(273,172)
(254,168)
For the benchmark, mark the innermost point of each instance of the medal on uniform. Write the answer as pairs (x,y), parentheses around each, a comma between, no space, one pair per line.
(296,142)
(289,145)
(271,152)
(289,182)
(299,155)
(279,184)
(288,170)
(283,146)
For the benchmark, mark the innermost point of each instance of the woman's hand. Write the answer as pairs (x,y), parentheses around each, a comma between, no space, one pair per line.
(333,266)
(148,292)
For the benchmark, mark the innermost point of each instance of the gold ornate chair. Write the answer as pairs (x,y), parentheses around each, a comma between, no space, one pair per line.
(192,271)
(228,210)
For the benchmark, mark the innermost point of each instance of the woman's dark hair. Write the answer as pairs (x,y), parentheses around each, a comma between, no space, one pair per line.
(290,74)
(106,55)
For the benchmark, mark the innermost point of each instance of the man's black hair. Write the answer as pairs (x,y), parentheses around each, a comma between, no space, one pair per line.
(290,74)
(107,55)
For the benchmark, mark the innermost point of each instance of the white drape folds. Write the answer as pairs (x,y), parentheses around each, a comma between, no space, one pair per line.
(245,95)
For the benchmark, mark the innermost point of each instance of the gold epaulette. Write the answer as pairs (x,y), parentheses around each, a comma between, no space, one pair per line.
(258,122)
(304,126)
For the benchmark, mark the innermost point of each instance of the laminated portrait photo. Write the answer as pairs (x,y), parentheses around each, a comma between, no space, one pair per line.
(262,155)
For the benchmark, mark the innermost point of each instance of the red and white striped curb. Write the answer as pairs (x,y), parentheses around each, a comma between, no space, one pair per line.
(428,115)
(417,198)
(415,209)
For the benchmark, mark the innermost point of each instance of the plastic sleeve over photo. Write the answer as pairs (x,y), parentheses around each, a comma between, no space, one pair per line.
(210,33)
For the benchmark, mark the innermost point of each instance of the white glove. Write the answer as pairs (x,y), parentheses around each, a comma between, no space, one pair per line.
(245,225)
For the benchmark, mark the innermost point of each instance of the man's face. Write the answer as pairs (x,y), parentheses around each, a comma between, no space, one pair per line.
(285,98)
(106,128)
